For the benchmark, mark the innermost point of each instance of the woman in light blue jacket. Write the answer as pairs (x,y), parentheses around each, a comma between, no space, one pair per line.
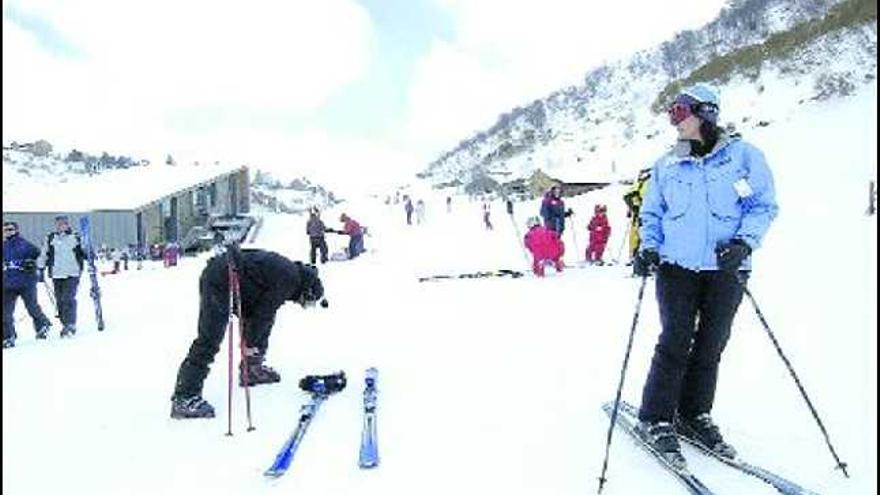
(709,203)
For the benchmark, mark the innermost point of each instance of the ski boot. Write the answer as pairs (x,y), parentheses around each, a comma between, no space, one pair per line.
(256,373)
(702,431)
(660,437)
(68,331)
(191,407)
(43,332)
(323,384)
(9,343)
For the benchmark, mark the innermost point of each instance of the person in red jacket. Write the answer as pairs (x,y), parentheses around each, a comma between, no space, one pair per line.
(355,233)
(545,245)
(600,231)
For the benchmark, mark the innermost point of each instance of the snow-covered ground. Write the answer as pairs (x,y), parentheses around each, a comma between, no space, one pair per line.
(486,386)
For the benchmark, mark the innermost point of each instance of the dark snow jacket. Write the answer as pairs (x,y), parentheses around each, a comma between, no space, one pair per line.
(19,262)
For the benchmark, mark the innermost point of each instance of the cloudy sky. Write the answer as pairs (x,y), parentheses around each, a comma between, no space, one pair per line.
(345,91)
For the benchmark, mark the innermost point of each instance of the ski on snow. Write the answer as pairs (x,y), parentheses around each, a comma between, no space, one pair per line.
(369,453)
(320,387)
(483,274)
(86,232)
(781,484)
(627,422)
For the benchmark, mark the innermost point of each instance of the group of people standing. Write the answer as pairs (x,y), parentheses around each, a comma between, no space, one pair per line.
(316,229)
(24,265)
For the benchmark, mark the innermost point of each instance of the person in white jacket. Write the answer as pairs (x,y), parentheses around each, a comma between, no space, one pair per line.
(63,258)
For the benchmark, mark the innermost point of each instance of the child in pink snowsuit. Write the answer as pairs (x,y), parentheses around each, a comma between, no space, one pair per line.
(600,231)
(545,246)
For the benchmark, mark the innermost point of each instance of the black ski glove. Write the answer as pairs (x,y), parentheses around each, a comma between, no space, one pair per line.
(646,262)
(731,254)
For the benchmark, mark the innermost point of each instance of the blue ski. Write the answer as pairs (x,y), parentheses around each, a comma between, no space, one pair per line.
(627,421)
(88,247)
(369,455)
(288,450)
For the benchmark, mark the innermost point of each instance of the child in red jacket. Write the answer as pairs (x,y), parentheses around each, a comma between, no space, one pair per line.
(600,231)
(545,246)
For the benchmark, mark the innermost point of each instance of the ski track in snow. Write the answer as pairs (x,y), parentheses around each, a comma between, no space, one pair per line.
(488,386)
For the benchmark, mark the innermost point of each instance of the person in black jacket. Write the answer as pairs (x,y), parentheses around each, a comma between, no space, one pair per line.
(266,280)
(20,280)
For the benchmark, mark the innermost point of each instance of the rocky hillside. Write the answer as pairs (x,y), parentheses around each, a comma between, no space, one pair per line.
(794,52)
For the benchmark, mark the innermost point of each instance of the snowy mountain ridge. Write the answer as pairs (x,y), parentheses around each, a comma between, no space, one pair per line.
(755,51)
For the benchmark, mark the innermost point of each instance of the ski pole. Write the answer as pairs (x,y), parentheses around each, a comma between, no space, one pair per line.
(574,238)
(622,243)
(629,344)
(236,300)
(229,385)
(51,298)
(840,464)
(519,238)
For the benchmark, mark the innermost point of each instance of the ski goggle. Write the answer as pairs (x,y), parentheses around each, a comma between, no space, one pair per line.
(678,112)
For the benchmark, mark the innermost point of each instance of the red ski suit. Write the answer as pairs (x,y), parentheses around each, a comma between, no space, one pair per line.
(545,245)
(600,231)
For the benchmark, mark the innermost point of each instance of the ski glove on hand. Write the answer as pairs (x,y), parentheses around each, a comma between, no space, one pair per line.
(646,262)
(731,254)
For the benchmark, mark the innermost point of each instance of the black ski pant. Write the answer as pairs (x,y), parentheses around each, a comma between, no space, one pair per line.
(318,244)
(65,296)
(28,294)
(213,324)
(696,312)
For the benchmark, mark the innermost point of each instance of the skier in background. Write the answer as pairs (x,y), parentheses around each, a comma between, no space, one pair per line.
(266,280)
(545,245)
(355,233)
(315,229)
(600,231)
(408,207)
(448,204)
(20,277)
(420,212)
(699,227)
(487,221)
(509,207)
(633,199)
(553,210)
(63,257)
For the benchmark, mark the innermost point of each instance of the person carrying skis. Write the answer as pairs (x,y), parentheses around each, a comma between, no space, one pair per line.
(709,203)
(266,281)
(600,231)
(553,210)
(315,229)
(545,245)
(20,277)
(63,256)
(355,232)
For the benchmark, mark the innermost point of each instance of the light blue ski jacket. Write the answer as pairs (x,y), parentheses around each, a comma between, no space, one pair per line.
(694,203)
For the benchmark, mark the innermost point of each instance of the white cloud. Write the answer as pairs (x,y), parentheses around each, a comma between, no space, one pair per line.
(505,54)
(143,62)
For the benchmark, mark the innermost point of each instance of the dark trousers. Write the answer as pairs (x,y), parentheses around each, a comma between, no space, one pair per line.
(318,244)
(28,294)
(213,324)
(65,297)
(696,312)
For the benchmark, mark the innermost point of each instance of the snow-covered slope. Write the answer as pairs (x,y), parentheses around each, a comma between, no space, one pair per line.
(488,386)
(764,60)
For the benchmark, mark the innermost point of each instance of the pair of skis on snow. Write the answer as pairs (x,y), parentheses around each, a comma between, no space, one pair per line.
(627,418)
(369,451)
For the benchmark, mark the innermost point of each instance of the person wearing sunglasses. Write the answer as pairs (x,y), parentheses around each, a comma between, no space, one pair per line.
(266,281)
(709,203)
(20,281)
